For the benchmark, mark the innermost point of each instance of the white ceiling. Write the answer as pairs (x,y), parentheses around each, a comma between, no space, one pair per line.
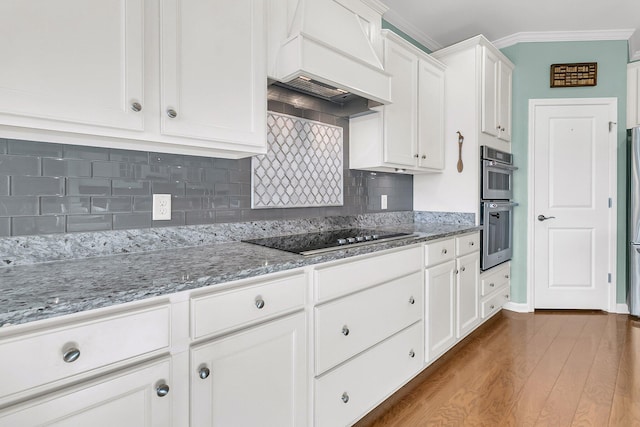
(437,24)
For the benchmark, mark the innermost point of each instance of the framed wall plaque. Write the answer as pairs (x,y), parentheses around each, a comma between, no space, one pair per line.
(574,75)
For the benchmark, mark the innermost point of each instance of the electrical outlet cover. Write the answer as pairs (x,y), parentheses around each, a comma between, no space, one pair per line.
(161,209)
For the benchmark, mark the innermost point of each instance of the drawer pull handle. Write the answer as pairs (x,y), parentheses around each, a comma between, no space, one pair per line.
(412,300)
(162,390)
(204,372)
(506,276)
(492,307)
(462,268)
(444,251)
(412,354)
(172,113)
(136,106)
(345,331)
(71,355)
(259,303)
(492,285)
(456,271)
(472,243)
(345,397)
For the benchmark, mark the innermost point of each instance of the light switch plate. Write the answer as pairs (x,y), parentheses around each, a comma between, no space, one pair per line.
(161,209)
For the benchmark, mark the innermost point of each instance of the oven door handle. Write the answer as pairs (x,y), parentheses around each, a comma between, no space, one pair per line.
(493,205)
(498,165)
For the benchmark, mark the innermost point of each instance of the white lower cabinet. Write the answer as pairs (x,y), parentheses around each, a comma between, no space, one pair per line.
(348,392)
(441,309)
(495,289)
(255,377)
(467,283)
(140,397)
(452,307)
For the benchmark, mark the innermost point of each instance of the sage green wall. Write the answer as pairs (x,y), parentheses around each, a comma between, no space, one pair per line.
(531,81)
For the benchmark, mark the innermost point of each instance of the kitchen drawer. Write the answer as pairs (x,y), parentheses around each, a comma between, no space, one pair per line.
(345,394)
(218,312)
(351,276)
(347,326)
(37,359)
(492,280)
(467,243)
(439,252)
(493,304)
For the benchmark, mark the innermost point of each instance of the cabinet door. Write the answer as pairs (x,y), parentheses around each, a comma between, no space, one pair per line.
(257,377)
(441,308)
(430,116)
(213,70)
(71,62)
(467,283)
(504,104)
(400,117)
(490,73)
(131,398)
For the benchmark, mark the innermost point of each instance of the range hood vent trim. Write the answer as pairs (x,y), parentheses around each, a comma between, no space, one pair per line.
(311,49)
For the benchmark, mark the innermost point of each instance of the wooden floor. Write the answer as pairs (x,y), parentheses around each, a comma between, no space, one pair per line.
(542,369)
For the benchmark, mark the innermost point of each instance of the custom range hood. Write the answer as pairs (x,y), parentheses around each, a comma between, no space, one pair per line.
(331,49)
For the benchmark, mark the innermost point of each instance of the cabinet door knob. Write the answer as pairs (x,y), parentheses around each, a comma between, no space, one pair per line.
(456,271)
(416,155)
(162,390)
(492,307)
(412,354)
(472,243)
(491,285)
(259,303)
(507,296)
(345,330)
(412,300)
(345,397)
(424,156)
(204,372)
(71,355)
(172,113)
(444,251)
(502,129)
(136,106)
(462,268)
(506,276)
(498,127)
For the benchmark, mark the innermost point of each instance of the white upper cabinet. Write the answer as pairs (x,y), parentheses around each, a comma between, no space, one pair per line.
(72,61)
(633,95)
(213,66)
(496,95)
(406,135)
(180,76)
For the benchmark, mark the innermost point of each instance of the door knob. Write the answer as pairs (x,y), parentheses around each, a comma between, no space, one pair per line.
(544,218)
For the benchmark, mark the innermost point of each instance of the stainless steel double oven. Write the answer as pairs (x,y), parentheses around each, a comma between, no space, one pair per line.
(496,206)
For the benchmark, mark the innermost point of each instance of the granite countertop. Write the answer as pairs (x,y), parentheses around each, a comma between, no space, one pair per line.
(40,291)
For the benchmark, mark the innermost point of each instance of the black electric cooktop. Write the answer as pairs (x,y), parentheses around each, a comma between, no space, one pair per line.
(314,243)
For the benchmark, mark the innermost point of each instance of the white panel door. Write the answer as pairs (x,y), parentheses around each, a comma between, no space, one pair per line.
(571,190)
(400,126)
(213,70)
(256,377)
(69,62)
(130,398)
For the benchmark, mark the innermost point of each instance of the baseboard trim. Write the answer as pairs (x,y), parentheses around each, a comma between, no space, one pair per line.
(517,307)
(622,309)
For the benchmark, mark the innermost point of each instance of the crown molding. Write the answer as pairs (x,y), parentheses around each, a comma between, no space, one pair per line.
(411,30)
(562,36)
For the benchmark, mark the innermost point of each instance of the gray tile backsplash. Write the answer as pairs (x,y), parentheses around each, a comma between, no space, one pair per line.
(50,188)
